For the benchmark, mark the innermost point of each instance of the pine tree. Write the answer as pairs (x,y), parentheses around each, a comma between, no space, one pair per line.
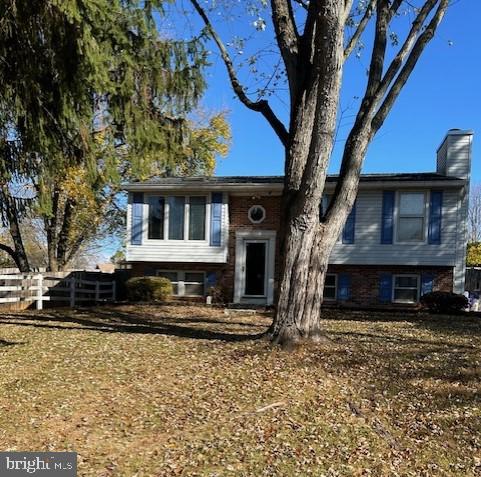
(91,95)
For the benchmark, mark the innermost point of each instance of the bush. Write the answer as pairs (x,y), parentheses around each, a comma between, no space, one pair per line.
(148,288)
(444,302)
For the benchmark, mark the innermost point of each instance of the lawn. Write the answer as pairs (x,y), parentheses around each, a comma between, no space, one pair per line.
(185,391)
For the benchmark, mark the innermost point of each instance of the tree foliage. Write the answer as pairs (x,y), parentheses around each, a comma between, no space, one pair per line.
(473,254)
(92,94)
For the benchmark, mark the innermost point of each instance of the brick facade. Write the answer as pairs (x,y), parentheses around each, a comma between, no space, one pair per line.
(364,278)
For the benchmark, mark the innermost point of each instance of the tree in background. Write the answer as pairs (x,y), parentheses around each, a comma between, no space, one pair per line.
(314,40)
(474,214)
(92,95)
(473,253)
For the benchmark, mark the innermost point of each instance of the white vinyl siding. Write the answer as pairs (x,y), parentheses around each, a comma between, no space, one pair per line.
(368,250)
(152,250)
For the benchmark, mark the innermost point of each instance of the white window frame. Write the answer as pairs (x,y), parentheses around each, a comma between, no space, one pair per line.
(394,287)
(335,287)
(398,216)
(187,197)
(181,281)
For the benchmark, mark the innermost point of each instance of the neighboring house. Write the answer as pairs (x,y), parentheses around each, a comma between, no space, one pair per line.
(405,236)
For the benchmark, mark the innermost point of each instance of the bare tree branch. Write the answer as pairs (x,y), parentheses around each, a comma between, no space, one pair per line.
(261,106)
(379,49)
(407,46)
(303,4)
(287,38)
(359,30)
(407,69)
(368,121)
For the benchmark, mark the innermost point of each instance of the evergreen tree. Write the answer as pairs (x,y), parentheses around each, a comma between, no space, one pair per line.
(91,95)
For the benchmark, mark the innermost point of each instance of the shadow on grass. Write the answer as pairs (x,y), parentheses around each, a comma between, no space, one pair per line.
(116,321)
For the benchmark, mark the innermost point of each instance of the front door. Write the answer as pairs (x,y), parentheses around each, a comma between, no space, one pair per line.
(255,268)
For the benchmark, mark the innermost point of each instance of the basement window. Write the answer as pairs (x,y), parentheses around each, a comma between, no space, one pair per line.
(185,283)
(330,287)
(405,288)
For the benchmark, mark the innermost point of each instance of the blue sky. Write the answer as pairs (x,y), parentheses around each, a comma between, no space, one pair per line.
(443,92)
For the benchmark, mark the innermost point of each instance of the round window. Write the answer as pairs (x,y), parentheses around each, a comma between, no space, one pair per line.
(257,214)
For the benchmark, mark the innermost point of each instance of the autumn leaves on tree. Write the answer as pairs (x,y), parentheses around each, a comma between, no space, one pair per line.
(92,95)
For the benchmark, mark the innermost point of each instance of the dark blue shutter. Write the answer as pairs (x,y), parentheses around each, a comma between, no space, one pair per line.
(343,286)
(435,212)
(385,287)
(137,218)
(387,216)
(349,226)
(427,283)
(216,219)
(211,280)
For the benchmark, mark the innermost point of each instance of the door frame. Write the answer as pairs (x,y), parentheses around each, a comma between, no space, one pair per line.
(241,238)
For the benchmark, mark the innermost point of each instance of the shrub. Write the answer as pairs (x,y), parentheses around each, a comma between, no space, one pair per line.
(218,294)
(444,302)
(148,288)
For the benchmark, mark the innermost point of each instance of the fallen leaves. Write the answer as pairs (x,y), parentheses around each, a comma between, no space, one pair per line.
(186,391)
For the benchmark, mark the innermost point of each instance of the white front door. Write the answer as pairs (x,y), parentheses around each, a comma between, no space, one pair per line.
(254,270)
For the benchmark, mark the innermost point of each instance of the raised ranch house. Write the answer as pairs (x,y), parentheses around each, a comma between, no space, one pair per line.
(405,236)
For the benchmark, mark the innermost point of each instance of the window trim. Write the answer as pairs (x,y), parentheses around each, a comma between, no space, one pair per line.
(335,275)
(187,196)
(181,281)
(397,216)
(394,287)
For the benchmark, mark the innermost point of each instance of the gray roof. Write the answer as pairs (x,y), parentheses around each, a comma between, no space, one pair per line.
(219,180)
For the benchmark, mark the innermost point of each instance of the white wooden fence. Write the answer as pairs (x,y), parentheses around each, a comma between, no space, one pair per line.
(37,288)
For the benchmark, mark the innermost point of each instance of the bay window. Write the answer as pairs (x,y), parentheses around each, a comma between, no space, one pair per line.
(177,217)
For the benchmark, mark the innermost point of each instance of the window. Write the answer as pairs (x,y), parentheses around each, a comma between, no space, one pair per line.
(406,288)
(194,284)
(197,218)
(330,287)
(177,217)
(185,283)
(257,214)
(156,217)
(411,217)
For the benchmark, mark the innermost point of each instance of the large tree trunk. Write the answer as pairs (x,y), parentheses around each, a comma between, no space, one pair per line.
(306,241)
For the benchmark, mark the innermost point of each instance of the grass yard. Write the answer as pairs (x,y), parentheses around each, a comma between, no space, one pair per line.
(183,391)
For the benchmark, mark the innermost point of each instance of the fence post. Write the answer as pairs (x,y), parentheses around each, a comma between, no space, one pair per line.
(39,292)
(114,290)
(72,292)
(97,291)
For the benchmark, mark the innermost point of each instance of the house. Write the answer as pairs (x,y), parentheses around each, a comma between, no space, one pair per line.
(405,236)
